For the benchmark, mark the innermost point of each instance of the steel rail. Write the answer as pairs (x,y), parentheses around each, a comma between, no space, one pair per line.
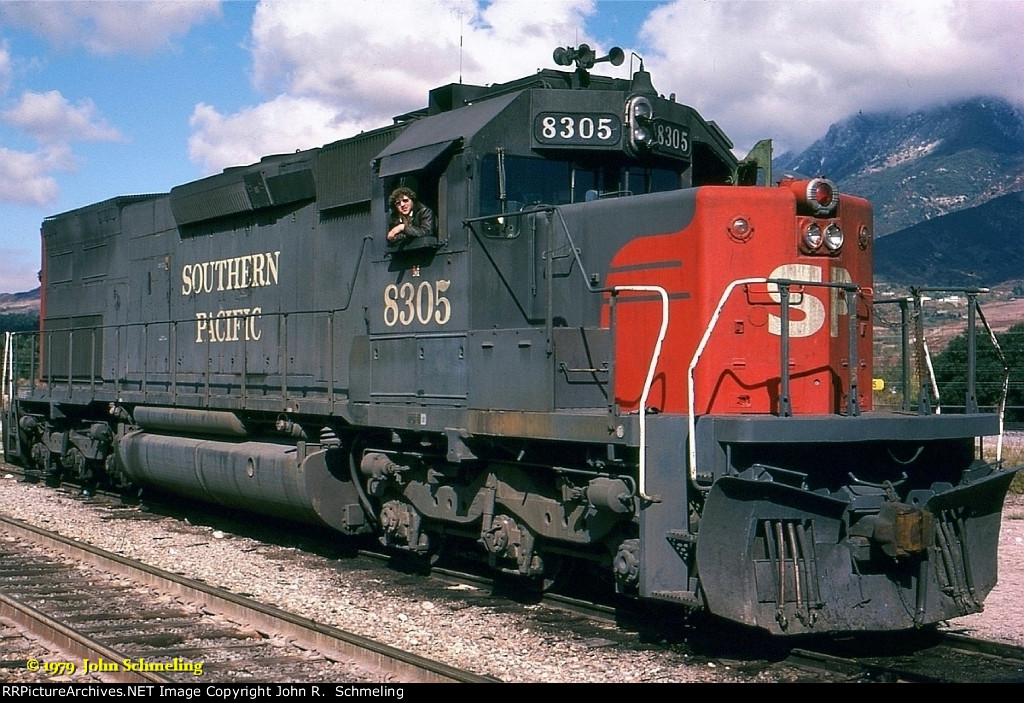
(405,666)
(72,642)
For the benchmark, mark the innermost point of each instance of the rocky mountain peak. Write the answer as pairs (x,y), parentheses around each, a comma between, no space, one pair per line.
(925,164)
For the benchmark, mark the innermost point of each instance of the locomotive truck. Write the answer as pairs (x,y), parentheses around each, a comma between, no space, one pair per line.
(625,348)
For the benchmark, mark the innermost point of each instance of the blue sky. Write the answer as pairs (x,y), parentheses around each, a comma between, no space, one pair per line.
(102,98)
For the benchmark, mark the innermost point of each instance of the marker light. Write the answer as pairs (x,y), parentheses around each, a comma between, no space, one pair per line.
(817,197)
(740,229)
(863,237)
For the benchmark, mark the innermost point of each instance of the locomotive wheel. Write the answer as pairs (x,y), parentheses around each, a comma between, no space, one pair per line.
(418,562)
(50,470)
(557,569)
(436,551)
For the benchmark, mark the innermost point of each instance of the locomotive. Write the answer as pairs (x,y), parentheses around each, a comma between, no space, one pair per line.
(624,347)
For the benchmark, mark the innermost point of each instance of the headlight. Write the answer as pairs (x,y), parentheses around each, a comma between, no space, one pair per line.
(812,237)
(640,115)
(642,108)
(833,238)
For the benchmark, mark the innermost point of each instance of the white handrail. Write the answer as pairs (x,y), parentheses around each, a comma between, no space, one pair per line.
(6,388)
(6,383)
(691,430)
(650,377)
(1006,380)
(931,376)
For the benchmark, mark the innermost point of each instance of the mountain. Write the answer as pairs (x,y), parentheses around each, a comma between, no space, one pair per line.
(20,302)
(922,165)
(19,312)
(981,246)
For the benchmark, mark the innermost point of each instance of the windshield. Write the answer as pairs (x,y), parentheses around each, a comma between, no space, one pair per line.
(534,180)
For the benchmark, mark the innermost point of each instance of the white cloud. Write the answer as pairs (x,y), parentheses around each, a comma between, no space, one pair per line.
(6,69)
(329,69)
(282,125)
(27,178)
(30,177)
(790,69)
(381,58)
(49,117)
(111,27)
(785,70)
(18,269)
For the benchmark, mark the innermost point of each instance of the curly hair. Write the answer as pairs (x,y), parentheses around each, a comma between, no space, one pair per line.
(398,193)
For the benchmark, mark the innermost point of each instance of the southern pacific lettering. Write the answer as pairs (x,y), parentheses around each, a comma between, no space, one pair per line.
(250,271)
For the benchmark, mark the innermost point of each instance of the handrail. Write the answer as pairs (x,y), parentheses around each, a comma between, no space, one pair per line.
(56,378)
(784,285)
(925,362)
(691,429)
(612,290)
(6,390)
(7,377)
(649,381)
(173,324)
(904,303)
(1006,381)
(533,210)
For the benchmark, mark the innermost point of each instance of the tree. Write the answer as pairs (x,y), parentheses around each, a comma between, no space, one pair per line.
(18,322)
(951,372)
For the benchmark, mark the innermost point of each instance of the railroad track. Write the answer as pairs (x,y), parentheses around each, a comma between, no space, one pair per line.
(509,586)
(19,647)
(123,621)
(911,657)
(928,657)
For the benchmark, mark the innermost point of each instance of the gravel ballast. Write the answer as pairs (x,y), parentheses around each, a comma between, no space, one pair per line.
(488,640)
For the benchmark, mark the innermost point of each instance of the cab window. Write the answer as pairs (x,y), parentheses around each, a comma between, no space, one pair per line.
(531,181)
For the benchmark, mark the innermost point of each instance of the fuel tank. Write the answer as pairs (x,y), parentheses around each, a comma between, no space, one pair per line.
(305,483)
